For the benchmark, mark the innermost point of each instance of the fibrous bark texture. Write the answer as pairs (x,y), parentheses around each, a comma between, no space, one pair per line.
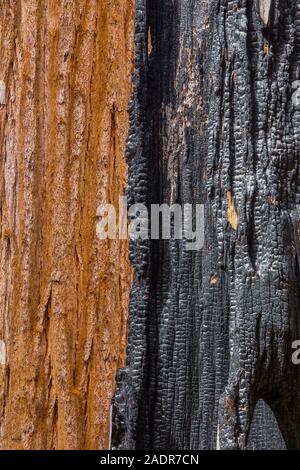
(65,71)
(214,120)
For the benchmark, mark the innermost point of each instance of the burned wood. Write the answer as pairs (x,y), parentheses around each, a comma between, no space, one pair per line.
(212,115)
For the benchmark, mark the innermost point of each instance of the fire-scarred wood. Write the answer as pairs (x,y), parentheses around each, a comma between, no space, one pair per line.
(213,121)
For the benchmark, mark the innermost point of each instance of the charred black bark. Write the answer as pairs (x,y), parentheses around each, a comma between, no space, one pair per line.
(214,120)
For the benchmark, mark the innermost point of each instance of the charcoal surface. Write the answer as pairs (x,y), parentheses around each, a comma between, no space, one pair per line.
(214,121)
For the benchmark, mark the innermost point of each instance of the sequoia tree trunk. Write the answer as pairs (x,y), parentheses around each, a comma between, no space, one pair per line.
(215,121)
(65,71)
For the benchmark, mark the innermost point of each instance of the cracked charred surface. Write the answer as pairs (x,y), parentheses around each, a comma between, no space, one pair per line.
(213,121)
(66,67)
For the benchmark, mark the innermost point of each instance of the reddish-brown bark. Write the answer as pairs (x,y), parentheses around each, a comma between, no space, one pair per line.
(63,293)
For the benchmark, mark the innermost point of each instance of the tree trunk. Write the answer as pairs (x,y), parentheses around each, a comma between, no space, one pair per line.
(65,84)
(215,121)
